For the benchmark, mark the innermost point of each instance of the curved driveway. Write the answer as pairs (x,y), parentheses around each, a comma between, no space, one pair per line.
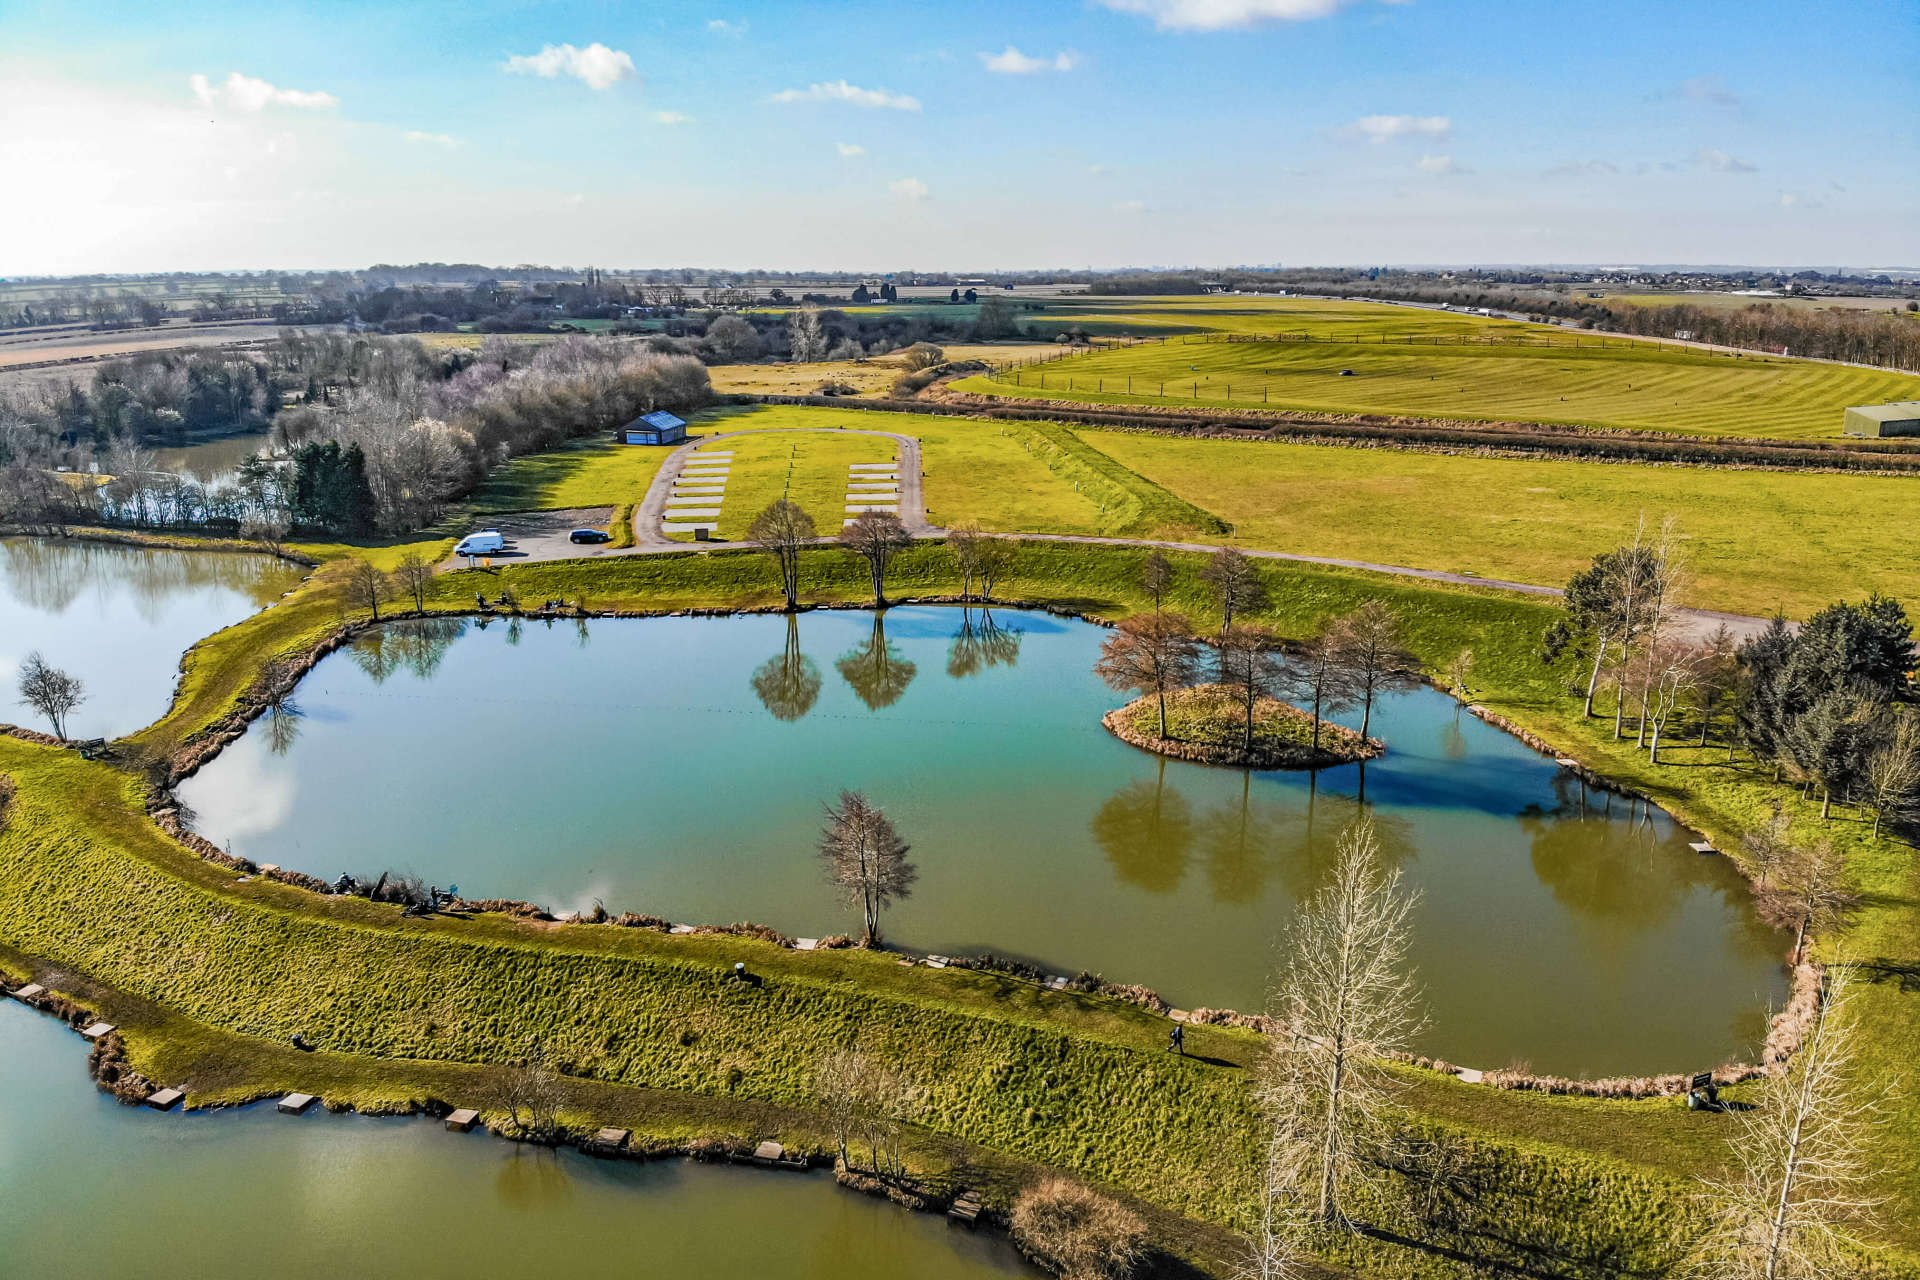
(1697,623)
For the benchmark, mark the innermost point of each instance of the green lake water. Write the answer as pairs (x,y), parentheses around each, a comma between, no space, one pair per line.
(679,767)
(89,1187)
(119,618)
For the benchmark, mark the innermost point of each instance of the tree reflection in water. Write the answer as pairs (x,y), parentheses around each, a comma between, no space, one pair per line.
(1146,830)
(877,673)
(418,645)
(283,725)
(788,684)
(1631,874)
(48,574)
(979,645)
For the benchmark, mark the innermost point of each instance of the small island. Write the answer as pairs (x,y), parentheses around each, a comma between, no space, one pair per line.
(1207,724)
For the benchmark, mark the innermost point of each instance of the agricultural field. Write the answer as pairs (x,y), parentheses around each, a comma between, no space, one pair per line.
(872,376)
(1735,301)
(1756,541)
(1547,376)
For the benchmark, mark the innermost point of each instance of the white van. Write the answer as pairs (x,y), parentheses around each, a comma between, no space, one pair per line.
(484,543)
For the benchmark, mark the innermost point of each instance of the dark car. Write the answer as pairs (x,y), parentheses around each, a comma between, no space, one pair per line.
(589,535)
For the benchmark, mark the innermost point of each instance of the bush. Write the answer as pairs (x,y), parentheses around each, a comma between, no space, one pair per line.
(1078,1233)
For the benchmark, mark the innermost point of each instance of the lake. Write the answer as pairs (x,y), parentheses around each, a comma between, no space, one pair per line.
(119,617)
(91,1187)
(679,766)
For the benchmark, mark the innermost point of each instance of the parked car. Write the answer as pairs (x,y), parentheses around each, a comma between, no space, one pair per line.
(484,543)
(589,535)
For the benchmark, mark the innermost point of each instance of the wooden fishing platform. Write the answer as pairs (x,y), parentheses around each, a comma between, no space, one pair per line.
(296,1103)
(463,1120)
(165,1099)
(965,1208)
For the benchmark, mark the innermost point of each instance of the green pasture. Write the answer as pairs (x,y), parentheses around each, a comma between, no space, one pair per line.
(1755,541)
(585,473)
(806,468)
(1570,380)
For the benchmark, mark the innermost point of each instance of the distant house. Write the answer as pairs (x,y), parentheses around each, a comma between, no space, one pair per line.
(1901,418)
(658,427)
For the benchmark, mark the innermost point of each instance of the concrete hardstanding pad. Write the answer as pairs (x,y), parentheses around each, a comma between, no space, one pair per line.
(688,528)
(296,1103)
(858,507)
(31,991)
(98,1031)
(463,1120)
(165,1099)
(694,501)
(873,466)
(857,483)
(695,491)
(695,513)
(715,456)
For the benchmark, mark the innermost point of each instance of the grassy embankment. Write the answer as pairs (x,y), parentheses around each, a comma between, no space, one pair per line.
(1560,378)
(1657,1142)
(1756,541)
(215,975)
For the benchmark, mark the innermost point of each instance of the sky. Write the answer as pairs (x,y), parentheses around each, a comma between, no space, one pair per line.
(990,135)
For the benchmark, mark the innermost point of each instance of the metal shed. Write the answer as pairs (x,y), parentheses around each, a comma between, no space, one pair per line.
(658,427)
(1901,418)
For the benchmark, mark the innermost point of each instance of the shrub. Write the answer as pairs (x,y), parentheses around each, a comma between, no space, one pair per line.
(1078,1233)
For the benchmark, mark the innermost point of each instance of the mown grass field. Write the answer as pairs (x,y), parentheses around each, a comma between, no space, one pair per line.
(1756,541)
(807,468)
(585,473)
(1557,378)
(871,376)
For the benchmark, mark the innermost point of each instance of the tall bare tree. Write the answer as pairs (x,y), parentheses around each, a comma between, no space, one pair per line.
(1250,667)
(1666,581)
(1149,653)
(861,1096)
(415,578)
(1318,676)
(866,859)
(1367,644)
(1236,584)
(876,536)
(368,587)
(1890,782)
(1156,577)
(806,335)
(781,530)
(50,691)
(1801,1184)
(964,543)
(1670,670)
(1347,999)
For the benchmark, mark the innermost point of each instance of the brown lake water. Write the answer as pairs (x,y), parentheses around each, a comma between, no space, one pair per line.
(89,1187)
(679,767)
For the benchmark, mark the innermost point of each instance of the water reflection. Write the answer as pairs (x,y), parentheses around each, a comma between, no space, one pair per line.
(1632,874)
(48,575)
(417,645)
(980,644)
(283,725)
(788,684)
(1146,830)
(876,671)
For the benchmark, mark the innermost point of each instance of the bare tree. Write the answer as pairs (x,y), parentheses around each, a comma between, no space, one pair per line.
(415,578)
(1236,583)
(995,558)
(1890,782)
(806,335)
(1801,1184)
(866,859)
(1250,667)
(1665,582)
(875,536)
(1670,669)
(1149,653)
(1367,644)
(50,691)
(780,531)
(1459,671)
(533,1095)
(367,586)
(270,531)
(1802,886)
(1077,1232)
(1156,576)
(1277,1244)
(1347,999)
(964,541)
(1318,676)
(838,1079)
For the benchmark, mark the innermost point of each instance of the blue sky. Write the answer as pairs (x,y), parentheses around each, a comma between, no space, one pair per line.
(1073,134)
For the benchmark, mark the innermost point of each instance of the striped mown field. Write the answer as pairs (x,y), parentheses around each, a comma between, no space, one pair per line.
(1616,385)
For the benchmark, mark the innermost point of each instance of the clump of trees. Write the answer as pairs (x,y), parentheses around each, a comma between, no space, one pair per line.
(863,1099)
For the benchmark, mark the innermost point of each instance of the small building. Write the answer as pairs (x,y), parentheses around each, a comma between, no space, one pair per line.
(1901,418)
(658,427)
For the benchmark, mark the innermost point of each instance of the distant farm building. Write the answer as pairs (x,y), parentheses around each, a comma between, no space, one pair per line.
(658,427)
(1901,418)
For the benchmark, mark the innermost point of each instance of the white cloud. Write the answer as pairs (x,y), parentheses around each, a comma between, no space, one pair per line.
(908,188)
(432,139)
(596,66)
(850,149)
(1377,129)
(721,27)
(1712,90)
(1130,206)
(1583,169)
(1720,162)
(1442,165)
(841,91)
(1099,170)
(1796,200)
(245,93)
(1220,15)
(1012,62)
(672,117)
